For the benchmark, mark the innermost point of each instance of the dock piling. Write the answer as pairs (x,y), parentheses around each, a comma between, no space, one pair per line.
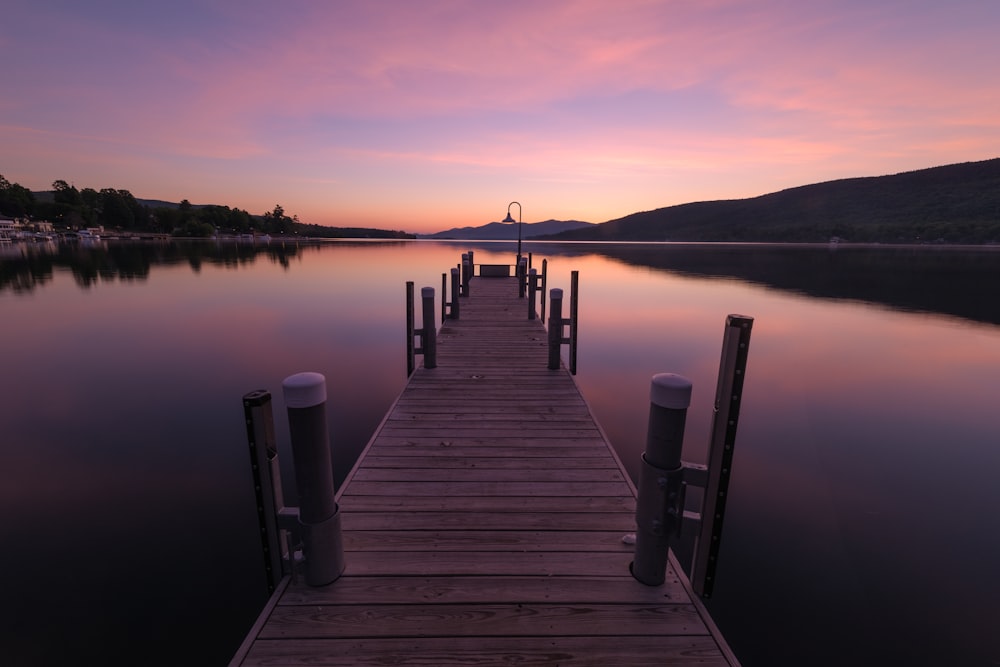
(533,278)
(521,270)
(428,332)
(659,507)
(574,301)
(545,275)
(455,291)
(466,272)
(411,349)
(319,517)
(555,327)
(557,323)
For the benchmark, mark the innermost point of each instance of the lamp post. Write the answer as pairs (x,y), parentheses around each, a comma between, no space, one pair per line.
(511,219)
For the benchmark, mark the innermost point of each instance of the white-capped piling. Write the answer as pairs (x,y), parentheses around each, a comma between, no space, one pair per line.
(319,517)
(659,508)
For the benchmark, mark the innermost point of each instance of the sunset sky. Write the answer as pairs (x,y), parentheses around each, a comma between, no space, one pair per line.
(431,114)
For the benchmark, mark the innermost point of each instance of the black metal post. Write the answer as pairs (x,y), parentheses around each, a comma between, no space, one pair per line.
(266,480)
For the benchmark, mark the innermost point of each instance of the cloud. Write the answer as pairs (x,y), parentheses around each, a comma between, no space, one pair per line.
(645,101)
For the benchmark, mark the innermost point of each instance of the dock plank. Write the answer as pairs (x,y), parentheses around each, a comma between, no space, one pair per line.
(484,525)
(573,651)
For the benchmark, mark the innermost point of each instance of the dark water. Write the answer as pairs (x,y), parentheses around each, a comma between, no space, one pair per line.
(863,512)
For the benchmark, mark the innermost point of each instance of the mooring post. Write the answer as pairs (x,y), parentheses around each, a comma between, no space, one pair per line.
(555,327)
(545,275)
(319,517)
(574,299)
(659,507)
(522,275)
(466,273)
(430,330)
(444,297)
(266,481)
(454,294)
(410,348)
(532,292)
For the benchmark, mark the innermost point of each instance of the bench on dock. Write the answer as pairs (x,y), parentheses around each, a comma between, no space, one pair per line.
(494,270)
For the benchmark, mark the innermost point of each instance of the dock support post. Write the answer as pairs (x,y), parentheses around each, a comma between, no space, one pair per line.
(659,508)
(574,299)
(545,277)
(411,351)
(557,323)
(266,481)
(521,270)
(532,292)
(455,290)
(444,296)
(555,327)
(319,516)
(466,273)
(428,333)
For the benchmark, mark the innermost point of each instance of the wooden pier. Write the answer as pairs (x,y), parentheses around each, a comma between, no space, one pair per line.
(484,525)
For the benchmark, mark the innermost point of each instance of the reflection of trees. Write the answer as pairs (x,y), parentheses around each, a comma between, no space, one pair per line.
(31,265)
(955,281)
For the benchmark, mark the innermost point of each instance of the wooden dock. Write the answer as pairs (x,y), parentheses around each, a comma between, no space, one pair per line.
(483,525)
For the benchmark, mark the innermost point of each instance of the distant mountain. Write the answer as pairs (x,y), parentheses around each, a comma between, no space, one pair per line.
(499,231)
(951,204)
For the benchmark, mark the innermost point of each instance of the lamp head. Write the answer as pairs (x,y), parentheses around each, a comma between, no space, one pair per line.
(509,218)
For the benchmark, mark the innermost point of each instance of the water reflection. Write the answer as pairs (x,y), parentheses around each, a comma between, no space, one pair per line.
(952,280)
(864,470)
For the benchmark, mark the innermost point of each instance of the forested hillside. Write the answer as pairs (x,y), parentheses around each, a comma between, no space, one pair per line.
(118,210)
(952,204)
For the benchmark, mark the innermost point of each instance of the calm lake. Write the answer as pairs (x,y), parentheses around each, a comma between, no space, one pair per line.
(862,520)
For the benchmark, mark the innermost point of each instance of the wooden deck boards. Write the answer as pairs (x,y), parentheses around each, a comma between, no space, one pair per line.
(483,525)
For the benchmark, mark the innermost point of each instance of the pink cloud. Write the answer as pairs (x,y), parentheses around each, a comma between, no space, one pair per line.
(319,105)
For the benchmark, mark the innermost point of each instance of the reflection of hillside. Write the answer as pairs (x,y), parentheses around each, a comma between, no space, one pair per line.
(27,266)
(954,281)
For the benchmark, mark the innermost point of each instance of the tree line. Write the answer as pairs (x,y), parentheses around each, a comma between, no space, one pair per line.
(115,209)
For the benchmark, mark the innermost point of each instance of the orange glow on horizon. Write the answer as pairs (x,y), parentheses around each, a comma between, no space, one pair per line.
(423,118)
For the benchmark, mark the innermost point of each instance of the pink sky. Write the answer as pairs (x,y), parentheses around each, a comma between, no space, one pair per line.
(429,115)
